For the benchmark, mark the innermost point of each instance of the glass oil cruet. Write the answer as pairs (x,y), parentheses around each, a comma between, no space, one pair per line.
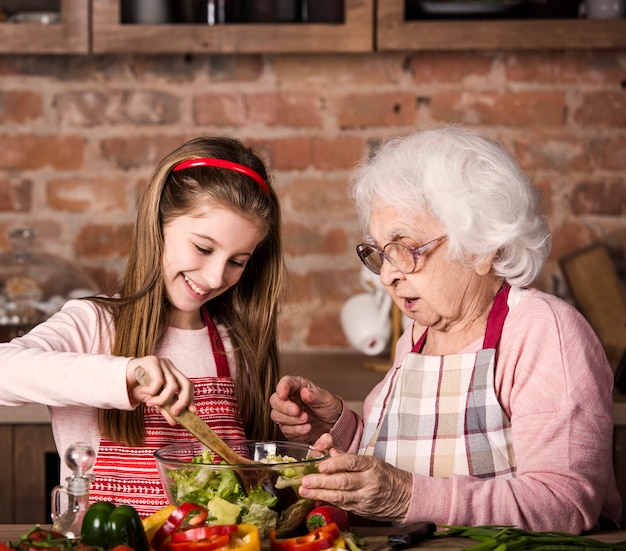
(80,457)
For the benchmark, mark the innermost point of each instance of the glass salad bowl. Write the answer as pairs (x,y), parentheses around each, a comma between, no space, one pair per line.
(263,493)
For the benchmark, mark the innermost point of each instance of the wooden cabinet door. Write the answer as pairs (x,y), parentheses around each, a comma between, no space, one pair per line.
(32,494)
(70,35)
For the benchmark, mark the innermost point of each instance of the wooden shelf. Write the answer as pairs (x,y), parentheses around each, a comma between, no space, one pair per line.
(93,26)
(354,35)
(70,36)
(396,34)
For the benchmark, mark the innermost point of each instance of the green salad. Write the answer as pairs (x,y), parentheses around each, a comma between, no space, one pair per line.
(221,493)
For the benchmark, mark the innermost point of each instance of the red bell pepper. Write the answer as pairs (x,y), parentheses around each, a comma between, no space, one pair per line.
(203,532)
(235,537)
(205,544)
(325,514)
(316,540)
(186,513)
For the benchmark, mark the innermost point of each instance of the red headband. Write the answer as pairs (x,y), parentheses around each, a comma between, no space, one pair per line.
(222,163)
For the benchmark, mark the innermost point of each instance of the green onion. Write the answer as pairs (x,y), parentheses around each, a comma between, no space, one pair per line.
(508,538)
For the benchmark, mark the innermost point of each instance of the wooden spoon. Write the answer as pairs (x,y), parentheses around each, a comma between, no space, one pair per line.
(196,426)
(249,478)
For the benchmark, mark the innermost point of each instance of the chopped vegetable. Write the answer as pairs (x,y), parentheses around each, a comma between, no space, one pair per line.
(240,537)
(211,488)
(503,538)
(154,521)
(325,514)
(187,514)
(319,539)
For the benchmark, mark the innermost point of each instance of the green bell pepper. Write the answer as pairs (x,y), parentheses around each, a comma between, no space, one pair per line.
(105,526)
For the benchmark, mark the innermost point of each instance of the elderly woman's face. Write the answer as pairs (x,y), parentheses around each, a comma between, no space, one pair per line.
(440,293)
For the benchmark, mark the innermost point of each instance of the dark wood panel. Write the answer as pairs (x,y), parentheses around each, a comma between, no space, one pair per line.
(31,496)
(7,490)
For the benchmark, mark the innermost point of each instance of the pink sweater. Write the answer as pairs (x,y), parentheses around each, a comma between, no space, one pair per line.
(555,384)
(64,363)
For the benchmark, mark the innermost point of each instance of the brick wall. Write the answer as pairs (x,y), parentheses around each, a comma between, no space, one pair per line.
(79,136)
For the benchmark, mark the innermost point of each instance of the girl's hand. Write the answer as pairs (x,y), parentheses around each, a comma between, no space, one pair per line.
(167,386)
(362,484)
(302,410)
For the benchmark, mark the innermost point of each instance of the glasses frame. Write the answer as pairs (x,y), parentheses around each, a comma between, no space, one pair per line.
(416,253)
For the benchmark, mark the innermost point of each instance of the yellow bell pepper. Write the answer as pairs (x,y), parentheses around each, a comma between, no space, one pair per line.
(153,522)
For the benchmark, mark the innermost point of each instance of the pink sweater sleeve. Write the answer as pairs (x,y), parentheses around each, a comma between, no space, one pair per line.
(61,362)
(554,382)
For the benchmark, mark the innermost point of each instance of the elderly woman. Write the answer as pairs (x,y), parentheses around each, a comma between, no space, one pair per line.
(498,408)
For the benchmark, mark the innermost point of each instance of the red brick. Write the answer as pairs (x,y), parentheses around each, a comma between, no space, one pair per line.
(608,152)
(455,67)
(518,109)
(338,153)
(547,150)
(19,106)
(220,110)
(325,330)
(569,236)
(185,69)
(375,109)
(551,67)
(324,285)
(87,195)
(97,241)
(544,189)
(15,196)
(603,108)
(599,196)
(31,152)
(139,151)
(295,110)
(301,240)
(93,107)
(293,153)
(328,72)
(319,196)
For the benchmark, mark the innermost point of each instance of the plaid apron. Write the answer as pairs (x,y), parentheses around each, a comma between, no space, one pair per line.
(439,415)
(128,475)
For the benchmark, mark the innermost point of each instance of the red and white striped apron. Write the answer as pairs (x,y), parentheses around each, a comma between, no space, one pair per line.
(128,475)
(439,415)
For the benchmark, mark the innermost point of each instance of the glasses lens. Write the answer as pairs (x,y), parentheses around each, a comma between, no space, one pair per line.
(400,257)
(370,257)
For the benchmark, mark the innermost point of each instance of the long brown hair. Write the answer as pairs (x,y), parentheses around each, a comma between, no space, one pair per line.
(248,310)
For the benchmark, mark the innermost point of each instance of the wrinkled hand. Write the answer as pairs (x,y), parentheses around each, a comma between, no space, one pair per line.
(302,410)
(362,484)
(168,386)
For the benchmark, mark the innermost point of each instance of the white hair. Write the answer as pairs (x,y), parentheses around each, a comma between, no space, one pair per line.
(473,188)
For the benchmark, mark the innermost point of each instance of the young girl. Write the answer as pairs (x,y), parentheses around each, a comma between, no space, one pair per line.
(198,302)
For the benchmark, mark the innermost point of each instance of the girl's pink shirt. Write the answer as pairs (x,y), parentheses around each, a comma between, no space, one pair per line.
(554,382)
(64,363)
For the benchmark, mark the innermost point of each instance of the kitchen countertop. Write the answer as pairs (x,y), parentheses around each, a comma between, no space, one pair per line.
(372,536)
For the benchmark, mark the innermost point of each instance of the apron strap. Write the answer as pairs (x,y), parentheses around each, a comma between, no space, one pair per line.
(496,318)
(495,321)
(221,361)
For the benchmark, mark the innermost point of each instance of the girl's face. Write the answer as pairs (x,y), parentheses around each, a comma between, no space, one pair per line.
(204,255)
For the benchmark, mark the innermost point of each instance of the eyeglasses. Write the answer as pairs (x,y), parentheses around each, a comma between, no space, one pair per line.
(400,256)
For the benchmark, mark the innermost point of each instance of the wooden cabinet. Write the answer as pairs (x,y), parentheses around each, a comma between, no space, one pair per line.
(394,33)
(29,469)
(355,34)
(69,36)
(93,26)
